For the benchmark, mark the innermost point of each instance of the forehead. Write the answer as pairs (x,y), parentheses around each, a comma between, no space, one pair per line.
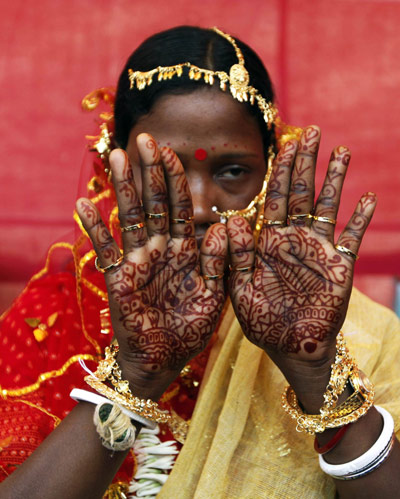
(203,116)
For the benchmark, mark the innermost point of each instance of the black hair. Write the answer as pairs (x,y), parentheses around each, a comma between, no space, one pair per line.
(202,47)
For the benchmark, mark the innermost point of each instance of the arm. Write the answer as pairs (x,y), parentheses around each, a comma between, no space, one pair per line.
(163,313)
(294,302)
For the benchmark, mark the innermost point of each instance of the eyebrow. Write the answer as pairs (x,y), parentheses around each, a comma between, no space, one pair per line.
(240,155)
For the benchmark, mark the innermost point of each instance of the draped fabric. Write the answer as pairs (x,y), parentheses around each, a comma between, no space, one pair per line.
(242,445)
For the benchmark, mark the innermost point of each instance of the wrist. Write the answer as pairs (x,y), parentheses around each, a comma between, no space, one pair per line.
(145,384)
(308,380)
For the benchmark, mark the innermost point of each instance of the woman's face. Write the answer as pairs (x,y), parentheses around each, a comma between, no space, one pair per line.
(219,144)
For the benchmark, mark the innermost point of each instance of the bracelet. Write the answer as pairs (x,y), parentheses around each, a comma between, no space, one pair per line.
(371,459)
(113,422)
(340,372)
(108,369)
(116,431)
(324,449)
(330,416)
(314,423)
(86,396)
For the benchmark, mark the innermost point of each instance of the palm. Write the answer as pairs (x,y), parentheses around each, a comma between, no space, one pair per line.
(166,314)
(297,297)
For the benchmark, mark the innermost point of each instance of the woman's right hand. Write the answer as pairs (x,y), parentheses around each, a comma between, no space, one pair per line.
(162,310)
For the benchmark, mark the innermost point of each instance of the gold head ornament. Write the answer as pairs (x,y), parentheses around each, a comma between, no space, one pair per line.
(238,80)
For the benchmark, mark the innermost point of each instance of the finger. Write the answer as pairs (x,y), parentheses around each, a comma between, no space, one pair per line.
(328,201)
(154,189)
(213,251)
(278,186)
(353,233)
(302,189)
(130,211)
(180,199)
(104,245)
(241,249)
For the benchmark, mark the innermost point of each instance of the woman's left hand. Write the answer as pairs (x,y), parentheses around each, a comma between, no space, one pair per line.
(294,302)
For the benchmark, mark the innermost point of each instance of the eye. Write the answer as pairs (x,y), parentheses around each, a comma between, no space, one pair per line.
(232,172)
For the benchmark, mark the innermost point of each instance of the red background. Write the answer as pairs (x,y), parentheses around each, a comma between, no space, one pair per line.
(334,63)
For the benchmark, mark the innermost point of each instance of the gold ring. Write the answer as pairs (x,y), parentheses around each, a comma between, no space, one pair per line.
(103,270)
(129,228)
(302,216)
(273,222)
(325,220)
(241,269)
(156,215)
(181,220)
(207,277)
(346,251)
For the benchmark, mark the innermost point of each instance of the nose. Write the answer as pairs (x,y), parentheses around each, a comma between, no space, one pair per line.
(204,198)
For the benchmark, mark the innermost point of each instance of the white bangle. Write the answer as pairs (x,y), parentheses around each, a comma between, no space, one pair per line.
(78,394)
(368,461)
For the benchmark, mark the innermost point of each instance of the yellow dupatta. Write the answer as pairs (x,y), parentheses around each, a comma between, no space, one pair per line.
(241,444)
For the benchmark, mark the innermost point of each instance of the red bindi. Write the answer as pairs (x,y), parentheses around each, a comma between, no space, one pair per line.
(200,154)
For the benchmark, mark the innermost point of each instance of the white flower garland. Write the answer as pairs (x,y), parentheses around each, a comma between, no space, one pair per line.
(155,459)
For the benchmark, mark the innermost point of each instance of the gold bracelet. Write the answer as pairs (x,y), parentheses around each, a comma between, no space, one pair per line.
(313,423)
(340,372)
(330,416)
(108,369)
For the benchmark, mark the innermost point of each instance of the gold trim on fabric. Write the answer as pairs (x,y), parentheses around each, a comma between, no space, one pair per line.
(97,291)
(17,392)
(4,470)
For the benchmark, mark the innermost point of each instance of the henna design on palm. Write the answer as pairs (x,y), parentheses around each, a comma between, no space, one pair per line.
(163,312)
(295,301)
(297,296)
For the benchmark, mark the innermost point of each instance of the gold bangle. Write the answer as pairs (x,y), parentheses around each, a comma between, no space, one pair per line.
(331,416)
(108,369)
(314,423)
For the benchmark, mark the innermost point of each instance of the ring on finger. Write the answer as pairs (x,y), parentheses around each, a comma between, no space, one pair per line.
(208,277)
(266,221)
(114,265)
(346,251)
(156,215)
(241,269)
(129,228)
(326,220)
(181,220)
(302,217)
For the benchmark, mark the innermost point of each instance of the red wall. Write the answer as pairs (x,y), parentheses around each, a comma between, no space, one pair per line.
(334,63)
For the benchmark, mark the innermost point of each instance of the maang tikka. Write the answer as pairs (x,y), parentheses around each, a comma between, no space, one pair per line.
(238,82)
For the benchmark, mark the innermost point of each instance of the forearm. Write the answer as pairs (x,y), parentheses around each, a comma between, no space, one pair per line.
(70,463)
(358,439)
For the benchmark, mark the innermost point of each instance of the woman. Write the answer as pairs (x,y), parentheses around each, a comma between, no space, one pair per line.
(192,156)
